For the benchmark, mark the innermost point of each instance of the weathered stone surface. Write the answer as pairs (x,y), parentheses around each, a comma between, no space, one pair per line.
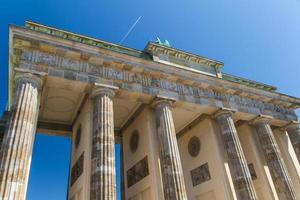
(200,174)
(134,141)
(294,134)
(68,59)
(278,170)
(236,160)
(17,145)
(77,169)
(137,172)
(252,171)
(194,146)
(83,70)
(172,175)
(103,172)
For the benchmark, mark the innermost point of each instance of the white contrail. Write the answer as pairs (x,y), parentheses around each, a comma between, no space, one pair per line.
(129,31)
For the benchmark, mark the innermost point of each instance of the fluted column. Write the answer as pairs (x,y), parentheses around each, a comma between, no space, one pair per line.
(103,172)
(293,130)
(171,169)
(236,160)
(279,173)
(18,141)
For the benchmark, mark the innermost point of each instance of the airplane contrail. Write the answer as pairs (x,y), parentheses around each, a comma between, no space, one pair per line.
(129,31)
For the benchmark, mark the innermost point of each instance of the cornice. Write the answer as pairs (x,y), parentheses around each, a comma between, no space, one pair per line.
(247,82)
(153,48)
(84,39)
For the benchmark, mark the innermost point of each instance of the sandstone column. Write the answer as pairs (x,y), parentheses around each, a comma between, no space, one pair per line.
(236,160)
(103,172)
(293,130)
(171,169)
(274,159)
(18,141)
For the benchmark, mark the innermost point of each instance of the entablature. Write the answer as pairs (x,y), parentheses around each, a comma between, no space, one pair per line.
(43,53)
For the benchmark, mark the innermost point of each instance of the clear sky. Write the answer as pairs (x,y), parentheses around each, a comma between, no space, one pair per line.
(256,39)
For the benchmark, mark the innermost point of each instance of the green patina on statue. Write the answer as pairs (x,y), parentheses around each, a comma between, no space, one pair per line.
(165,43)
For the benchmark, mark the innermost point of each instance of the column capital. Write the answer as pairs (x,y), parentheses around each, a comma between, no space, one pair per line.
(292,125)
(223,112)
(103,89)
(161,100)
(35,80)
(260,119)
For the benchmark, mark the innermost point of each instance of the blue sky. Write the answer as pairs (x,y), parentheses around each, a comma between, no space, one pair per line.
(257,39)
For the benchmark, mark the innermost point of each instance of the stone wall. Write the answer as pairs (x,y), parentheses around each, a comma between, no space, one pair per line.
(143,187)
(81,145)
(217,186)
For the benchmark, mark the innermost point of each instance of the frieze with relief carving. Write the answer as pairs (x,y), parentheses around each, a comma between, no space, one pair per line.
(78,69)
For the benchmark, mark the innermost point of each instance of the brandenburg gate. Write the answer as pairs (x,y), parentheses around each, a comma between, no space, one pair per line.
(187,130)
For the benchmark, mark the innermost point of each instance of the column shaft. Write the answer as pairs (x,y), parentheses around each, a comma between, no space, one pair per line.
(275,162)
(294,135)
(103,172)
(17,144)
(172,175)
(236,160)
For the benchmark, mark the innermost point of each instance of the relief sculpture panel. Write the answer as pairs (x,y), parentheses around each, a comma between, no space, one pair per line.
(200,174)
(139,171)
(77,169)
